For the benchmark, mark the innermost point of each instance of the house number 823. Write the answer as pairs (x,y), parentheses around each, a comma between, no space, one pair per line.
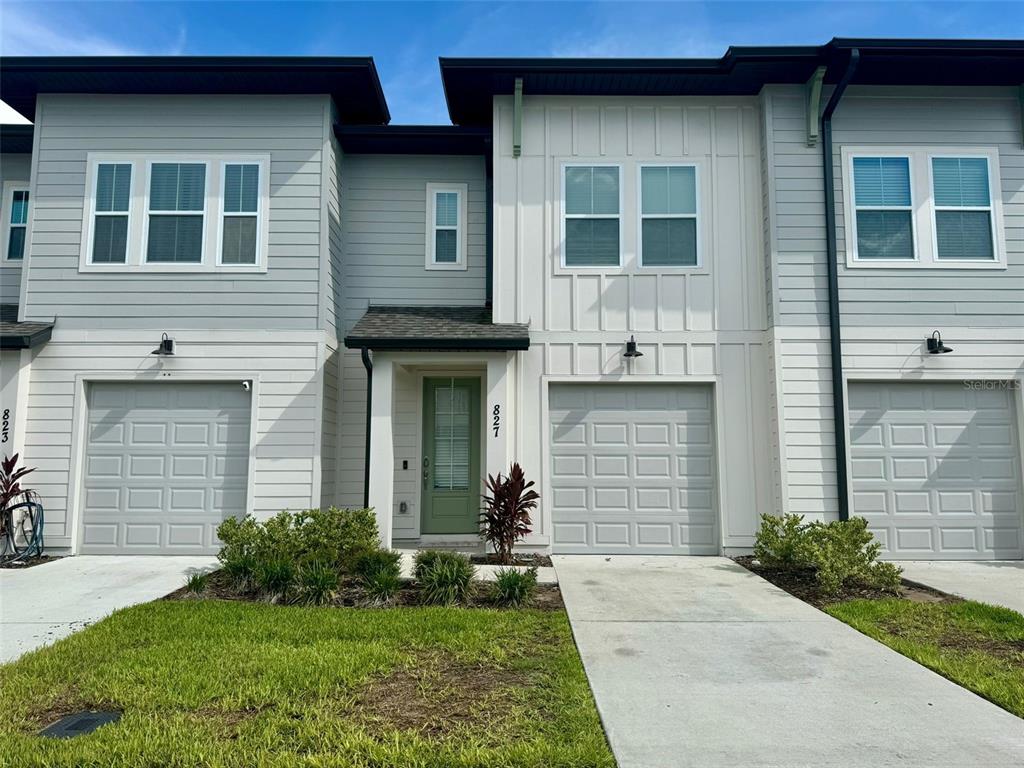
(496,422)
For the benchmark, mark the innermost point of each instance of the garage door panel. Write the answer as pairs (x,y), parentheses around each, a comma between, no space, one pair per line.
(631,469)
(165,465)
(933,464)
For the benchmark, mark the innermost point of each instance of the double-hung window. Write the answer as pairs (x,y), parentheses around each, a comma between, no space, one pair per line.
(240,224)
(16,222)
(112,204)
(963,209)
(177,207)
(883,208)
(446,226)
(668,216)
(591,206)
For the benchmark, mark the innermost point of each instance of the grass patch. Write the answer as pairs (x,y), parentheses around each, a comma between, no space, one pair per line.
(217,683)
(978,646)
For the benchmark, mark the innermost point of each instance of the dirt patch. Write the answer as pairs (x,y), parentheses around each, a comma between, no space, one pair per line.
(952,638)
(29,563)
(803,585)
(438,694)
(67,703)
(541,561)
(548,597)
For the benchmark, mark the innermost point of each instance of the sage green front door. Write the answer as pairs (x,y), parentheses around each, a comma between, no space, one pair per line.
(451,455)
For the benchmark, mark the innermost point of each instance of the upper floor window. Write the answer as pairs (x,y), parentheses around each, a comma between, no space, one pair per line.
(15,221)
(668,216)
(922,208)
(591,205)
(446,226)
(188,214)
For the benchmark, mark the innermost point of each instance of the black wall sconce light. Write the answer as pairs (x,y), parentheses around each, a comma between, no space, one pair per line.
(166,348)
(935,345)
(631,350)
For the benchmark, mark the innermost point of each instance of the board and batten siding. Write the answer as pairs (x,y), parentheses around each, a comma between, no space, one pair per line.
(290,128)
(285,454)
(705,324)
(384,242)
(13,167)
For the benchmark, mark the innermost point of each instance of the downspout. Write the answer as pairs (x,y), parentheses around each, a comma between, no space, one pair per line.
(368,365)
(489,233)
(835,336)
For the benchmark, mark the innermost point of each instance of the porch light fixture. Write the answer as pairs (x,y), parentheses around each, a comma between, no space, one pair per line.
(166,348)
(935,345)
(631,350)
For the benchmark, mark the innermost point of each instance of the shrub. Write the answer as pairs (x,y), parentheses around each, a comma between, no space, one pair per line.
(10,480)
(196,582)
(369,563)
(337,534)
(839,552)
(382,586)
(317,582)
(238,539)
(446,579)
(240,569)
(514,588)
(275,576)
(423,560)
(505,518)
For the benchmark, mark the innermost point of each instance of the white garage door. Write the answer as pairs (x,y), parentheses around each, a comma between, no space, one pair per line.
(632,469)
(164,465)
(936,469)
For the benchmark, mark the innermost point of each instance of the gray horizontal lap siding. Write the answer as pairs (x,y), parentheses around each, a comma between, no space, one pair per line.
(384,243)
(12,168)
(887,297)
(290,129)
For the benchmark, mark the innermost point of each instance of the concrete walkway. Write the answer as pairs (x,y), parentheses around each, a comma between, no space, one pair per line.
(42,604)
(997,582)
(697,662)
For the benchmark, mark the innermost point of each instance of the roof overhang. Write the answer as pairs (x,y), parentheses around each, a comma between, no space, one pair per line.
(413,139)
(471,84)
(351,81)
(435,328)
(24,335)
(16,139)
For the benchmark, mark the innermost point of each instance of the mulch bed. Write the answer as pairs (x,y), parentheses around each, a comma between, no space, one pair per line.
(541,561)
(548,597)
(802,584)
(31,562)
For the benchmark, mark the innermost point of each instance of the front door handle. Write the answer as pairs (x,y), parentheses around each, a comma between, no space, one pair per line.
(426,477)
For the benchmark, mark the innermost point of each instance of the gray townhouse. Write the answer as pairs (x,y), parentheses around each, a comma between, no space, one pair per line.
(681,293)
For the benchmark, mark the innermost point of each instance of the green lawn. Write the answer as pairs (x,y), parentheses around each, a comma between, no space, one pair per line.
(211,683)
(978,646)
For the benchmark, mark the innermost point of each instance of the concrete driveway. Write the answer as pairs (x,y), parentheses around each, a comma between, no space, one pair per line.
(697,662)
(997,582)
(42,604)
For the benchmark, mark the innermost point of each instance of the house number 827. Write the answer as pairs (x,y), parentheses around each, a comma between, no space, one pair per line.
(496,422)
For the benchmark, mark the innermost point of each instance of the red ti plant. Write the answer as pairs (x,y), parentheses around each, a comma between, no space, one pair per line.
(10,475)
(505,517)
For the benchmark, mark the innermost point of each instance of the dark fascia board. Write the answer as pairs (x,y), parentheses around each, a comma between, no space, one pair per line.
(16,139)
(470,83)
(352,81)
(438,344)
(26,340)
(413,139)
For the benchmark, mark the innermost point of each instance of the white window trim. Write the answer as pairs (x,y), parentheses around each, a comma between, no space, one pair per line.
(993,219)
(262,228)
(922,197)
(10,187)
(461,235)
(563,216)
(640,215)
(138,216)
(93,213)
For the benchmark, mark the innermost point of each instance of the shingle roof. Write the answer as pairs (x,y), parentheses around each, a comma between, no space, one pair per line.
(433,327)
(15,335)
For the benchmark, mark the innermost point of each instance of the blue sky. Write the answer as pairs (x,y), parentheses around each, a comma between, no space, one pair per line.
(406,38)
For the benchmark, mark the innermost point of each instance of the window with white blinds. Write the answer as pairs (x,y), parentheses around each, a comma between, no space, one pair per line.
(111,213)
(452,439)
(668,216)
(16,222)
(446,226)
(883,207)
(240,222)
(591,207)
(177,210)
(963,208)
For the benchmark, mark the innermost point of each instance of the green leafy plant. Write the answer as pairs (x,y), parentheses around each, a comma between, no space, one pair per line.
(275,576)
(240,569)
(447,579)
(505,518)
(371,562)
(10,480)
(197,582)
(381,587)
(423,560)
(838,552)
(317,582)
(514,588)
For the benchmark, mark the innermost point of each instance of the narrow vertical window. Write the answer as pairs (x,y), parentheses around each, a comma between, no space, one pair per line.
(963,208)
(110,217)
(882,208)
(17,223)
(446,226)
(591,216)
(239,241)
(177,203)
(668,216)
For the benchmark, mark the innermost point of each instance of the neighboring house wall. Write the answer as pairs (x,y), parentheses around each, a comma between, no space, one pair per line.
(384,247)
(886,312)
(12,168)
(693,325)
